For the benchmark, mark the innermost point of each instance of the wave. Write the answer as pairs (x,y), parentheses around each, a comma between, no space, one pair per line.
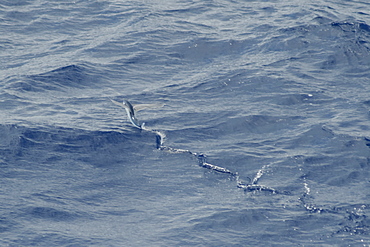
(47,145)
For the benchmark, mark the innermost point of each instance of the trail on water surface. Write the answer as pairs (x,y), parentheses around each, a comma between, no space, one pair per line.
(200,157)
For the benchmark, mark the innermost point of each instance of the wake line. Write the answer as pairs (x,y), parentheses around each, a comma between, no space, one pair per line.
(202,161)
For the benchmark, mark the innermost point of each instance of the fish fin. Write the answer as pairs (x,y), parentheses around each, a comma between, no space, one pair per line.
(140,107)
(117,103)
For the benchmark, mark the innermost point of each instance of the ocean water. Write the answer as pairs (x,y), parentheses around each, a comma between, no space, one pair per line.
(263,139)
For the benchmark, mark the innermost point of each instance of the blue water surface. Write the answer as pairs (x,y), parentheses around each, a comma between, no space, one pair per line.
(277,93)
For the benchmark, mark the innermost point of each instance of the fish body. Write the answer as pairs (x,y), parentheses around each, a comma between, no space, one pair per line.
(130,113)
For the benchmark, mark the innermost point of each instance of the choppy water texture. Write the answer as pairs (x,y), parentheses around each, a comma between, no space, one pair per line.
(276,93)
